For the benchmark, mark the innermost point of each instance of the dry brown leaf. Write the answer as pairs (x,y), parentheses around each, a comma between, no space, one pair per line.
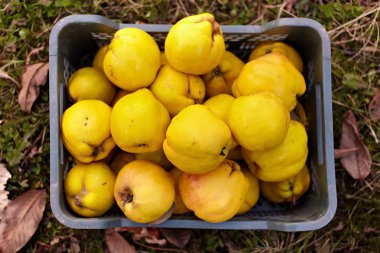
(339,153)
(358,163)
(4,201)
(116,243)
(32,78)
(374,107)
(4,75)
(74,245)
(21,219)
(339,227)
(33,52)
(177,237)
(56,240)
(150,235)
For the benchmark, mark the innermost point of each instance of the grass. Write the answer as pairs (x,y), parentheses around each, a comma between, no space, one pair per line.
(354,30)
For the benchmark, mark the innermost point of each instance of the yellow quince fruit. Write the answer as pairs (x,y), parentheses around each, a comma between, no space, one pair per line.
(139,122)
(132,59)
(89,189)
(86,130)
(90,83)
(119,95)
(158,157)
(253,192)
(215,196)
(195,44)
(120,160)
(163,58)
(179,206)
(278,47)
(288,190)
(220,105)
(259,121)
(272,72)
(197,140)
(283,161)
(220,79)
(177,90)
(144,191)
(98,60)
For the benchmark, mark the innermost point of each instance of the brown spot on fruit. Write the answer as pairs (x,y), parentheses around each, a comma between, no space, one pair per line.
(268,51)
(97,150)
(78,200)
(222,152)
(217,72)
(126,196)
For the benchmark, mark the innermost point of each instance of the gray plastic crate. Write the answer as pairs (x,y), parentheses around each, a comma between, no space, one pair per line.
(74,41)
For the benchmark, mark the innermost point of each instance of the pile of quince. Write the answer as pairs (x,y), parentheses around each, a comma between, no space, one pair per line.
(190,129)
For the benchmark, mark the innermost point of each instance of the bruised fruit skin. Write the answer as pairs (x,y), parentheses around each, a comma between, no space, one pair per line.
(215,196)
(139,122)
(132,59)
(177,90)
(288,190)
(89,189)
(194,145)
(274,73)
(283,161)
(220,79)
(278,47)
(144,191)
(195,44)
(179,206)
(86,131)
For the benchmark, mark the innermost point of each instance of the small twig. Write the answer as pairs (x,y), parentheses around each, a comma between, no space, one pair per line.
(372,132)
(353,20)
(160,249)
(183,7)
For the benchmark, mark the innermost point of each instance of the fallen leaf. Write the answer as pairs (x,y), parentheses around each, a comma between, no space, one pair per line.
(21,219)
(339,227)
(177,237)
(56,240)
(41,247)
(374,107)
(33,52)
(4,75)
(358,163)
(339,153)
(116,243)
(369,230)
(74,245)
(4,201)
(32,78)
(150,235)
(354,81)
(289,5)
